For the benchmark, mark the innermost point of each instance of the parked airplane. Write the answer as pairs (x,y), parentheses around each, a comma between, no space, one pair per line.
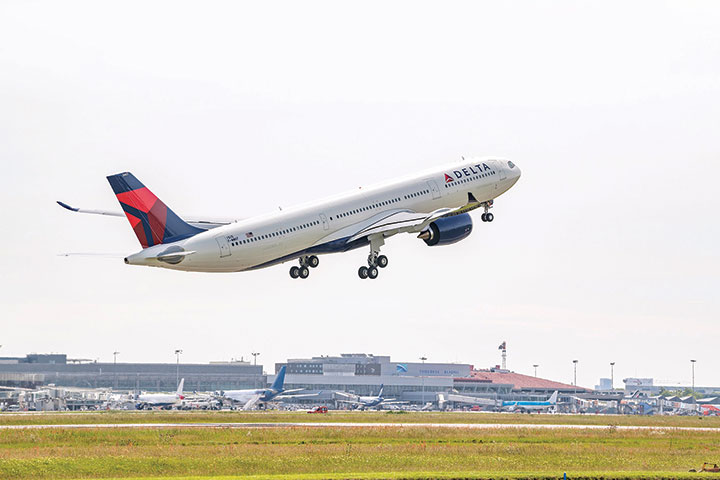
(251,397)
(433,204)
(511,406)
(165,400)
(528,406)
(363,402)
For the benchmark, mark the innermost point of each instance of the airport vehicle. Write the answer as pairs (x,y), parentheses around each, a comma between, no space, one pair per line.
(363,402)
(433,204)
(322,409)
(163,400)
(260,396)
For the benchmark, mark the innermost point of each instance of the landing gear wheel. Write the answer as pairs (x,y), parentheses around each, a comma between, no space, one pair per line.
(372,273)
(294,272)
(363,272)
(483,217)
(489,217)
(382,261)
(313,261)
(304,272)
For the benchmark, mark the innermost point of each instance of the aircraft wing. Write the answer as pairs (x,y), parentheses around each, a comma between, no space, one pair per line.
(408,221)
(346,395)
(293,390)
(299,395)
(207,224)
(252,402)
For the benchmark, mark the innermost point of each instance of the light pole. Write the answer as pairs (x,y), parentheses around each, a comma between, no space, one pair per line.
(422,377)
(612,376)
(255,355)
(177,366)
(115,354)
(575,362)
(535,367)
(692,363)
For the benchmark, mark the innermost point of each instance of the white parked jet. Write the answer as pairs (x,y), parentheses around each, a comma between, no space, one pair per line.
(363,402)
(259,396)
(433,204)
(165,400)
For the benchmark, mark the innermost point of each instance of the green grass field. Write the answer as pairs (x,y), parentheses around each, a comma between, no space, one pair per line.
(348,416)
(345,453)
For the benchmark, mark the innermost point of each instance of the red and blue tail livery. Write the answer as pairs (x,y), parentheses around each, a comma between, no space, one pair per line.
(151,220)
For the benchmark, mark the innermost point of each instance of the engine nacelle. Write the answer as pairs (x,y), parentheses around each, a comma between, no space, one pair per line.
(448,230)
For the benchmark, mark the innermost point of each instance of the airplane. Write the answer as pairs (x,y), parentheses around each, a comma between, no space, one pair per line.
(164,400)
(433,204)
(528,406)
(251,397)
(511,406)
(364,402)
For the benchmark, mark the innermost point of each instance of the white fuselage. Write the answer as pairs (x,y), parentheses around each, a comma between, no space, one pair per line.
(326,225)
(244,396)
(159,399)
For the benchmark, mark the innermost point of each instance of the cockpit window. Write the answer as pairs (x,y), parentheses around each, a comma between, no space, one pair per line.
(511,164)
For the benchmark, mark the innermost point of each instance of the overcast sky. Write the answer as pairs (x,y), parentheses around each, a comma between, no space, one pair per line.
(605,250)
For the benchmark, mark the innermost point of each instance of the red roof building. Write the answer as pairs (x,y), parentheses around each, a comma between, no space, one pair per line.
(522,383)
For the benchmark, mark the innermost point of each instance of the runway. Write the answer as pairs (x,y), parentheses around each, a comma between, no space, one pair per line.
(477,426)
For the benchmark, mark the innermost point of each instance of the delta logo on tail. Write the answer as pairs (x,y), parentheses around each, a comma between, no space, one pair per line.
(151,220)
(448,178)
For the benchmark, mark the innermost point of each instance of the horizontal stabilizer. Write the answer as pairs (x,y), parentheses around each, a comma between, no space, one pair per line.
(205,223)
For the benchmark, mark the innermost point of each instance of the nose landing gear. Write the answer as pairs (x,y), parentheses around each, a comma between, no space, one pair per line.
(487,216)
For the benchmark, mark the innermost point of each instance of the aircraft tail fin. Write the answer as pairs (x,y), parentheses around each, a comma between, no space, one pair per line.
(279,379)
(381,390)
(180,387)
(553,397)
(151,220)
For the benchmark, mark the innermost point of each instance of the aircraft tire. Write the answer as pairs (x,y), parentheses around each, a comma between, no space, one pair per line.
(372,273)
(363,272)
(294,272)
(313,261)
(304,272)
(382,261)
(489,217)
(483,217)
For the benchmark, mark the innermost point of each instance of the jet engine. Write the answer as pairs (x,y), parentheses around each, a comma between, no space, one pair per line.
(447,230)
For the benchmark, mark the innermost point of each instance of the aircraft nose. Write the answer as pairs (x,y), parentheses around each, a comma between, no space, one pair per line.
(513,171)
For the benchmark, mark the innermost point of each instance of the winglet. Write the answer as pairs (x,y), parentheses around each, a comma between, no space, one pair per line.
(65,205)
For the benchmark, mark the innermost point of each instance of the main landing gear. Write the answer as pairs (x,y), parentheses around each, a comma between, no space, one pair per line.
(306,263)
(375,260)
(487,216)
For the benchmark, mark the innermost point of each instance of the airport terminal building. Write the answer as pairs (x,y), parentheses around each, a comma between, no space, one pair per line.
(356,373)
(415,382)
(56,369)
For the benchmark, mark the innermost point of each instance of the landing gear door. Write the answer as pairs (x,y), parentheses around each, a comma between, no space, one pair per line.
(224,246)
(434,189)
(324,221)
